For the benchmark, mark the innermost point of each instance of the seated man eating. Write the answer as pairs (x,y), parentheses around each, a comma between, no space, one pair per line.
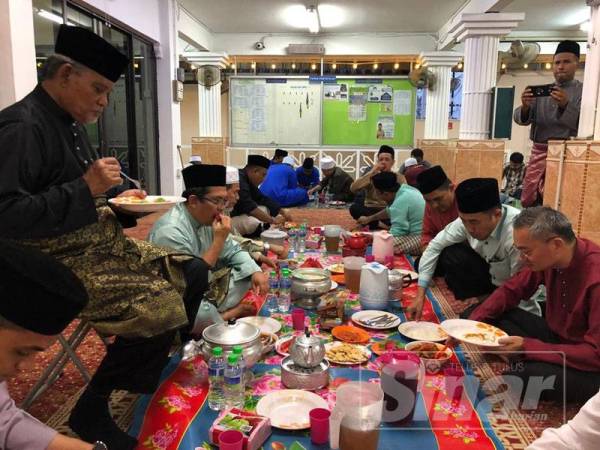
(488,258)
(405,211)
(199,228)
(253,207)
(335,181)
(568,267)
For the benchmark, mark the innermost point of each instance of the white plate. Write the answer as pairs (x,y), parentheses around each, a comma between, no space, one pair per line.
(150,205)
(414,276)
(361,316)
(335,268)
(280,343)
(366,352)
(423,331)
(288,409)
(266,324)
(334,285)
(458,328)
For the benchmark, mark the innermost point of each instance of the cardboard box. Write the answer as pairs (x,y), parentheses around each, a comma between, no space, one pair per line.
(256,429)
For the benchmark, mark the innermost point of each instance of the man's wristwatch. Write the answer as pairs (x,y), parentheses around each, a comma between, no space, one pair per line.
(99,445)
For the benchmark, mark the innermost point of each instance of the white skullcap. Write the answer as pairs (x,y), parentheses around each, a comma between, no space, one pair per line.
(410,162)
(232,175)
(327,163)
(195,158)
(288,160)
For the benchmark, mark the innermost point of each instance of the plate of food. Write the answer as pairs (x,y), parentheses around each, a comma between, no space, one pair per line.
(423,331)
(473,332)
(346,354)
(414,276)
(265,324)
(376,320)
(151,203)
(434,355)
(283,345)
(268,341)
(288,409)
(350,334)
(336,268)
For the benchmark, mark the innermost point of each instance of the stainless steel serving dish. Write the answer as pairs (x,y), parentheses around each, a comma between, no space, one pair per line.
(296,377)
(308,284)
(229,334)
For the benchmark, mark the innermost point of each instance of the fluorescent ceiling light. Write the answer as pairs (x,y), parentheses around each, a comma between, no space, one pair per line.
(585,26)
(313,19)
(52,16)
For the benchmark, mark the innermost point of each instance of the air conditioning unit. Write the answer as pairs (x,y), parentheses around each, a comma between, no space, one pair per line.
(305,49)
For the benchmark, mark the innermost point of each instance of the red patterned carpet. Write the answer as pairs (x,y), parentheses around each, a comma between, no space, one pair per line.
(54,405)
(91,351)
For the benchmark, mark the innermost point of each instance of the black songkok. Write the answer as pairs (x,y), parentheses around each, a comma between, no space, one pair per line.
(92,51)
(37,292)
(385,182)
(203,175)
(568,47)
(258,160)
(431,179)
(477,195)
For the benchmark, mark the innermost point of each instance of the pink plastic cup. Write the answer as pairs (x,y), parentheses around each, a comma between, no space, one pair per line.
(298,319)
(319,425)
(453,381)
(369,258)
(231,440)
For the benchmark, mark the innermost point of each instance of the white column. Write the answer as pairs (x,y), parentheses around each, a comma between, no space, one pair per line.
(438,98)
(481,34)
(209,98)
(18,75)
(589,121)
(169,118)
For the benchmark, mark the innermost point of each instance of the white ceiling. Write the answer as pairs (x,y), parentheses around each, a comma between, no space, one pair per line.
(265,16)
(362,16)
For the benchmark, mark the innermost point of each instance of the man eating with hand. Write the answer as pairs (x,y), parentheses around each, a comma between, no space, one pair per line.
(199,228)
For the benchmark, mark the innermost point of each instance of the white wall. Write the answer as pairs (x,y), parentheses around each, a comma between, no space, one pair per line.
(18,74)
(192,31)
(141,15)
(338,44)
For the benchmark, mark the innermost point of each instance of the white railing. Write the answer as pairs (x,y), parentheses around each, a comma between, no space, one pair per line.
(351,160)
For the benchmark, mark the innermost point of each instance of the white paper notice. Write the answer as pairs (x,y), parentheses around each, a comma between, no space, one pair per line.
(402,103)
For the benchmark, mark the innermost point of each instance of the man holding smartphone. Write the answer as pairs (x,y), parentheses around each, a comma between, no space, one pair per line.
(555,116)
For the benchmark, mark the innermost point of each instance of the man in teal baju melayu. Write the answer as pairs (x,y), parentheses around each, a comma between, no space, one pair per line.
(199,228)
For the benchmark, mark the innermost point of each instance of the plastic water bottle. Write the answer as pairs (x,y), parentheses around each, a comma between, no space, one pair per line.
(234,393)
(216,372)
(237,350)
(301,239)
(271,299)
(285,289)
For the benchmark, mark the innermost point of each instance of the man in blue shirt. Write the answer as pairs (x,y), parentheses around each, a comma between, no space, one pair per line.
(281,184)
(308,174)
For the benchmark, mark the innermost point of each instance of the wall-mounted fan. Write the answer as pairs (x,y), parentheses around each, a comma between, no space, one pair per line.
(422,77)
(519,53)
(209,76)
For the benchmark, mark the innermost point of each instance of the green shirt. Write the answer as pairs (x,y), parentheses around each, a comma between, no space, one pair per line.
(406,213)
(178,230)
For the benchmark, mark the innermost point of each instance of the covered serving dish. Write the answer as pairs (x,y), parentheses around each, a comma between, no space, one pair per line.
(229,334)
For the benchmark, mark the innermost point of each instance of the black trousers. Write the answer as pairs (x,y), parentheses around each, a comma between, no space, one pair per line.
(135,364)
(572,384)
(358,209)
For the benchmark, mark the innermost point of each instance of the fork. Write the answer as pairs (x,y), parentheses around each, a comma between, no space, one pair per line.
(136,183)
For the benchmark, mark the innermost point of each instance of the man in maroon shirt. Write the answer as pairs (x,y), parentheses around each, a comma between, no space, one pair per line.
(570,334)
